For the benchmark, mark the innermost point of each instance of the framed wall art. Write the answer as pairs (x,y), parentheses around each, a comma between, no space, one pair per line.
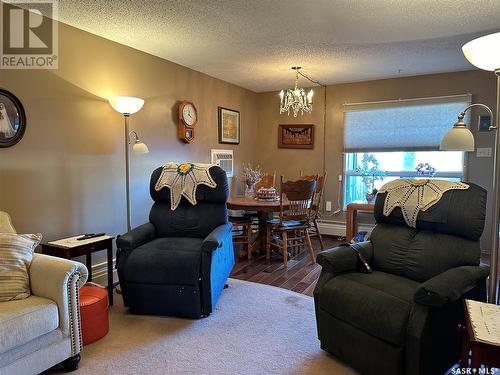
(296,136)
(12,119)
(229,126)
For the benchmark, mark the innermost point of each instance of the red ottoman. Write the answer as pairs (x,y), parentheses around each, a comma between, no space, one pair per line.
(94,313)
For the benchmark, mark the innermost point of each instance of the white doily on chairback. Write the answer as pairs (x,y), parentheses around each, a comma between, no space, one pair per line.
(413,196)
(183,180)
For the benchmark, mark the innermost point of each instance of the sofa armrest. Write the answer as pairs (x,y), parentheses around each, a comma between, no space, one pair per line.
(450,285)
(59,280)
(343,259)
(216,238)
(136,237)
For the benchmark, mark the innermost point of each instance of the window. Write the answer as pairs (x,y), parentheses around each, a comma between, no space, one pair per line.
(367,171)
(384,141)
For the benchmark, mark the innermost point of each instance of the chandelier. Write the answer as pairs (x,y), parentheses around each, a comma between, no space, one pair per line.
(296,99)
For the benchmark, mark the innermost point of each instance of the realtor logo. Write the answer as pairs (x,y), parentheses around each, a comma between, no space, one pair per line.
(29,38)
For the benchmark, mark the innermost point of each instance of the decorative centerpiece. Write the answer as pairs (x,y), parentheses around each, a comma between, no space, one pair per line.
(250,177)
(266,194)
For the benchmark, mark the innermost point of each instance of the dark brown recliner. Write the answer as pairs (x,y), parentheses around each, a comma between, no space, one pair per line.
(402,318)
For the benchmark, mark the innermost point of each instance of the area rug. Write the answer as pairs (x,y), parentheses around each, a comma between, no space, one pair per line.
(255,329)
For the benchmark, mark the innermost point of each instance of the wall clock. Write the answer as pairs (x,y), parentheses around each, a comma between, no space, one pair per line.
(188,117)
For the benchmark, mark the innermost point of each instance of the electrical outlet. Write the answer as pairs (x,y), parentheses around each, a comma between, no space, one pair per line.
(340,177)
(328,205)
(483,152)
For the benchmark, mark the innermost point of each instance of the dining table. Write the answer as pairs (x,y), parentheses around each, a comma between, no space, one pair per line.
(264,209)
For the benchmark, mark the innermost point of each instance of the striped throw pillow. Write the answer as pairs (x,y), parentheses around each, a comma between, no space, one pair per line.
(16,253)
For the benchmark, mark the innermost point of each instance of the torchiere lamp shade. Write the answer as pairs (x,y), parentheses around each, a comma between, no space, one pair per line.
(484,52)
(126,105)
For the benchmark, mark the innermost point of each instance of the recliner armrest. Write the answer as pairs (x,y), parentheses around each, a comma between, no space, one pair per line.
(343,259)
(216,238)
(450,285)
(136,237)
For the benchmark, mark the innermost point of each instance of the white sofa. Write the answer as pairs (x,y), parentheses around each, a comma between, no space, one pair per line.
(44,329)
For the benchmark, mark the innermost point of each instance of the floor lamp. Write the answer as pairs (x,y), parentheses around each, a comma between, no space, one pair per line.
(484,53)
(127,106)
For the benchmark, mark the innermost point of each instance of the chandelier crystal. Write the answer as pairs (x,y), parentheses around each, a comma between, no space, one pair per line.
(296,99)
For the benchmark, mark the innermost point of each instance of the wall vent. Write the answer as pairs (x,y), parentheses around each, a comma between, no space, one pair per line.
(224,159)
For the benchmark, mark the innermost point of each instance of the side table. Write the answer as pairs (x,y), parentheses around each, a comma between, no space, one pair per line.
(481,352)
(70,248)
(351,218)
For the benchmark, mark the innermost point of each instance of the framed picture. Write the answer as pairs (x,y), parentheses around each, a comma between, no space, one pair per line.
(296,136)
(12,119)
(484,123)
(229,126)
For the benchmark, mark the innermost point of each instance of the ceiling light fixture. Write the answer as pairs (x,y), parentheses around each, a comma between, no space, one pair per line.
(296,99)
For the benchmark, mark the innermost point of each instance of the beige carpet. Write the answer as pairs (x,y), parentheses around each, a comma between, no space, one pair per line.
(256,329)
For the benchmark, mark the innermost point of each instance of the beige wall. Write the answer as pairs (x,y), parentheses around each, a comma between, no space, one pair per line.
(67,175)
(480,84)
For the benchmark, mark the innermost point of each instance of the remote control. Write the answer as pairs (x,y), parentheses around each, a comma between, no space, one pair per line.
(90,235)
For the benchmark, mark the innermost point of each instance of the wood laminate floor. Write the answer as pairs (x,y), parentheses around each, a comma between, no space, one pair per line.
(300,276)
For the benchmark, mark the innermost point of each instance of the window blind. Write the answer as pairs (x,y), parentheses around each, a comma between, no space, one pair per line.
(401,125)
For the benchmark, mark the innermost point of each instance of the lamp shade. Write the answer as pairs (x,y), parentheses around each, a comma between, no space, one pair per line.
(457,139)
(126,105)
(484,52)
(140,148)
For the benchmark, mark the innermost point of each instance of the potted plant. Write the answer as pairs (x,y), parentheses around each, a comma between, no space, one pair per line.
(370,172)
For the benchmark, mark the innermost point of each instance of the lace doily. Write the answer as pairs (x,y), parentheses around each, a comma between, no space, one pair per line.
(183,180)
(413,196)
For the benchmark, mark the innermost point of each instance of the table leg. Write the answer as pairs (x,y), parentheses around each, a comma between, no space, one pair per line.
(464,360)
(354,225)
(110,273)
(88,263)
(263,217)
(349,225)
(475,358)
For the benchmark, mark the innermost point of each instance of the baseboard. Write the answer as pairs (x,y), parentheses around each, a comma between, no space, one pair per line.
(100,273)
(336,228)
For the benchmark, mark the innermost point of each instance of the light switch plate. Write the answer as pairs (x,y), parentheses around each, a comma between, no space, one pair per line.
(483,152)
(328,205)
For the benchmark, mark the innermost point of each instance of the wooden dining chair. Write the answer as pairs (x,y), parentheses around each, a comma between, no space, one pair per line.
(316,206)
(243,233)
(267,181)
(290,230)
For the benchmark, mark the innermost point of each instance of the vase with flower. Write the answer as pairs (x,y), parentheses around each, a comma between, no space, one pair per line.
(250,177)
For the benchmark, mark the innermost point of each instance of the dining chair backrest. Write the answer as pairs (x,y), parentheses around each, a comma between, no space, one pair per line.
(300,195)
(320,189)
(267,181)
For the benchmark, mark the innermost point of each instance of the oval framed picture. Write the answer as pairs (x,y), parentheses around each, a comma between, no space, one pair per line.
(12,119)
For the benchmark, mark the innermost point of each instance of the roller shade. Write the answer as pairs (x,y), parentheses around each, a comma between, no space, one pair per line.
(401,125)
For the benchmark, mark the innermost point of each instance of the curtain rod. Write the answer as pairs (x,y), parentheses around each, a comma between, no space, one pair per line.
(409,100)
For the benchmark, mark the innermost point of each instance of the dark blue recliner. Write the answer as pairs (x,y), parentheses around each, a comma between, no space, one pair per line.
(178,263)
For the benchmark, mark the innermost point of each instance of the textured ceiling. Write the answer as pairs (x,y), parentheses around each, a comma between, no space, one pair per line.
(253,43)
